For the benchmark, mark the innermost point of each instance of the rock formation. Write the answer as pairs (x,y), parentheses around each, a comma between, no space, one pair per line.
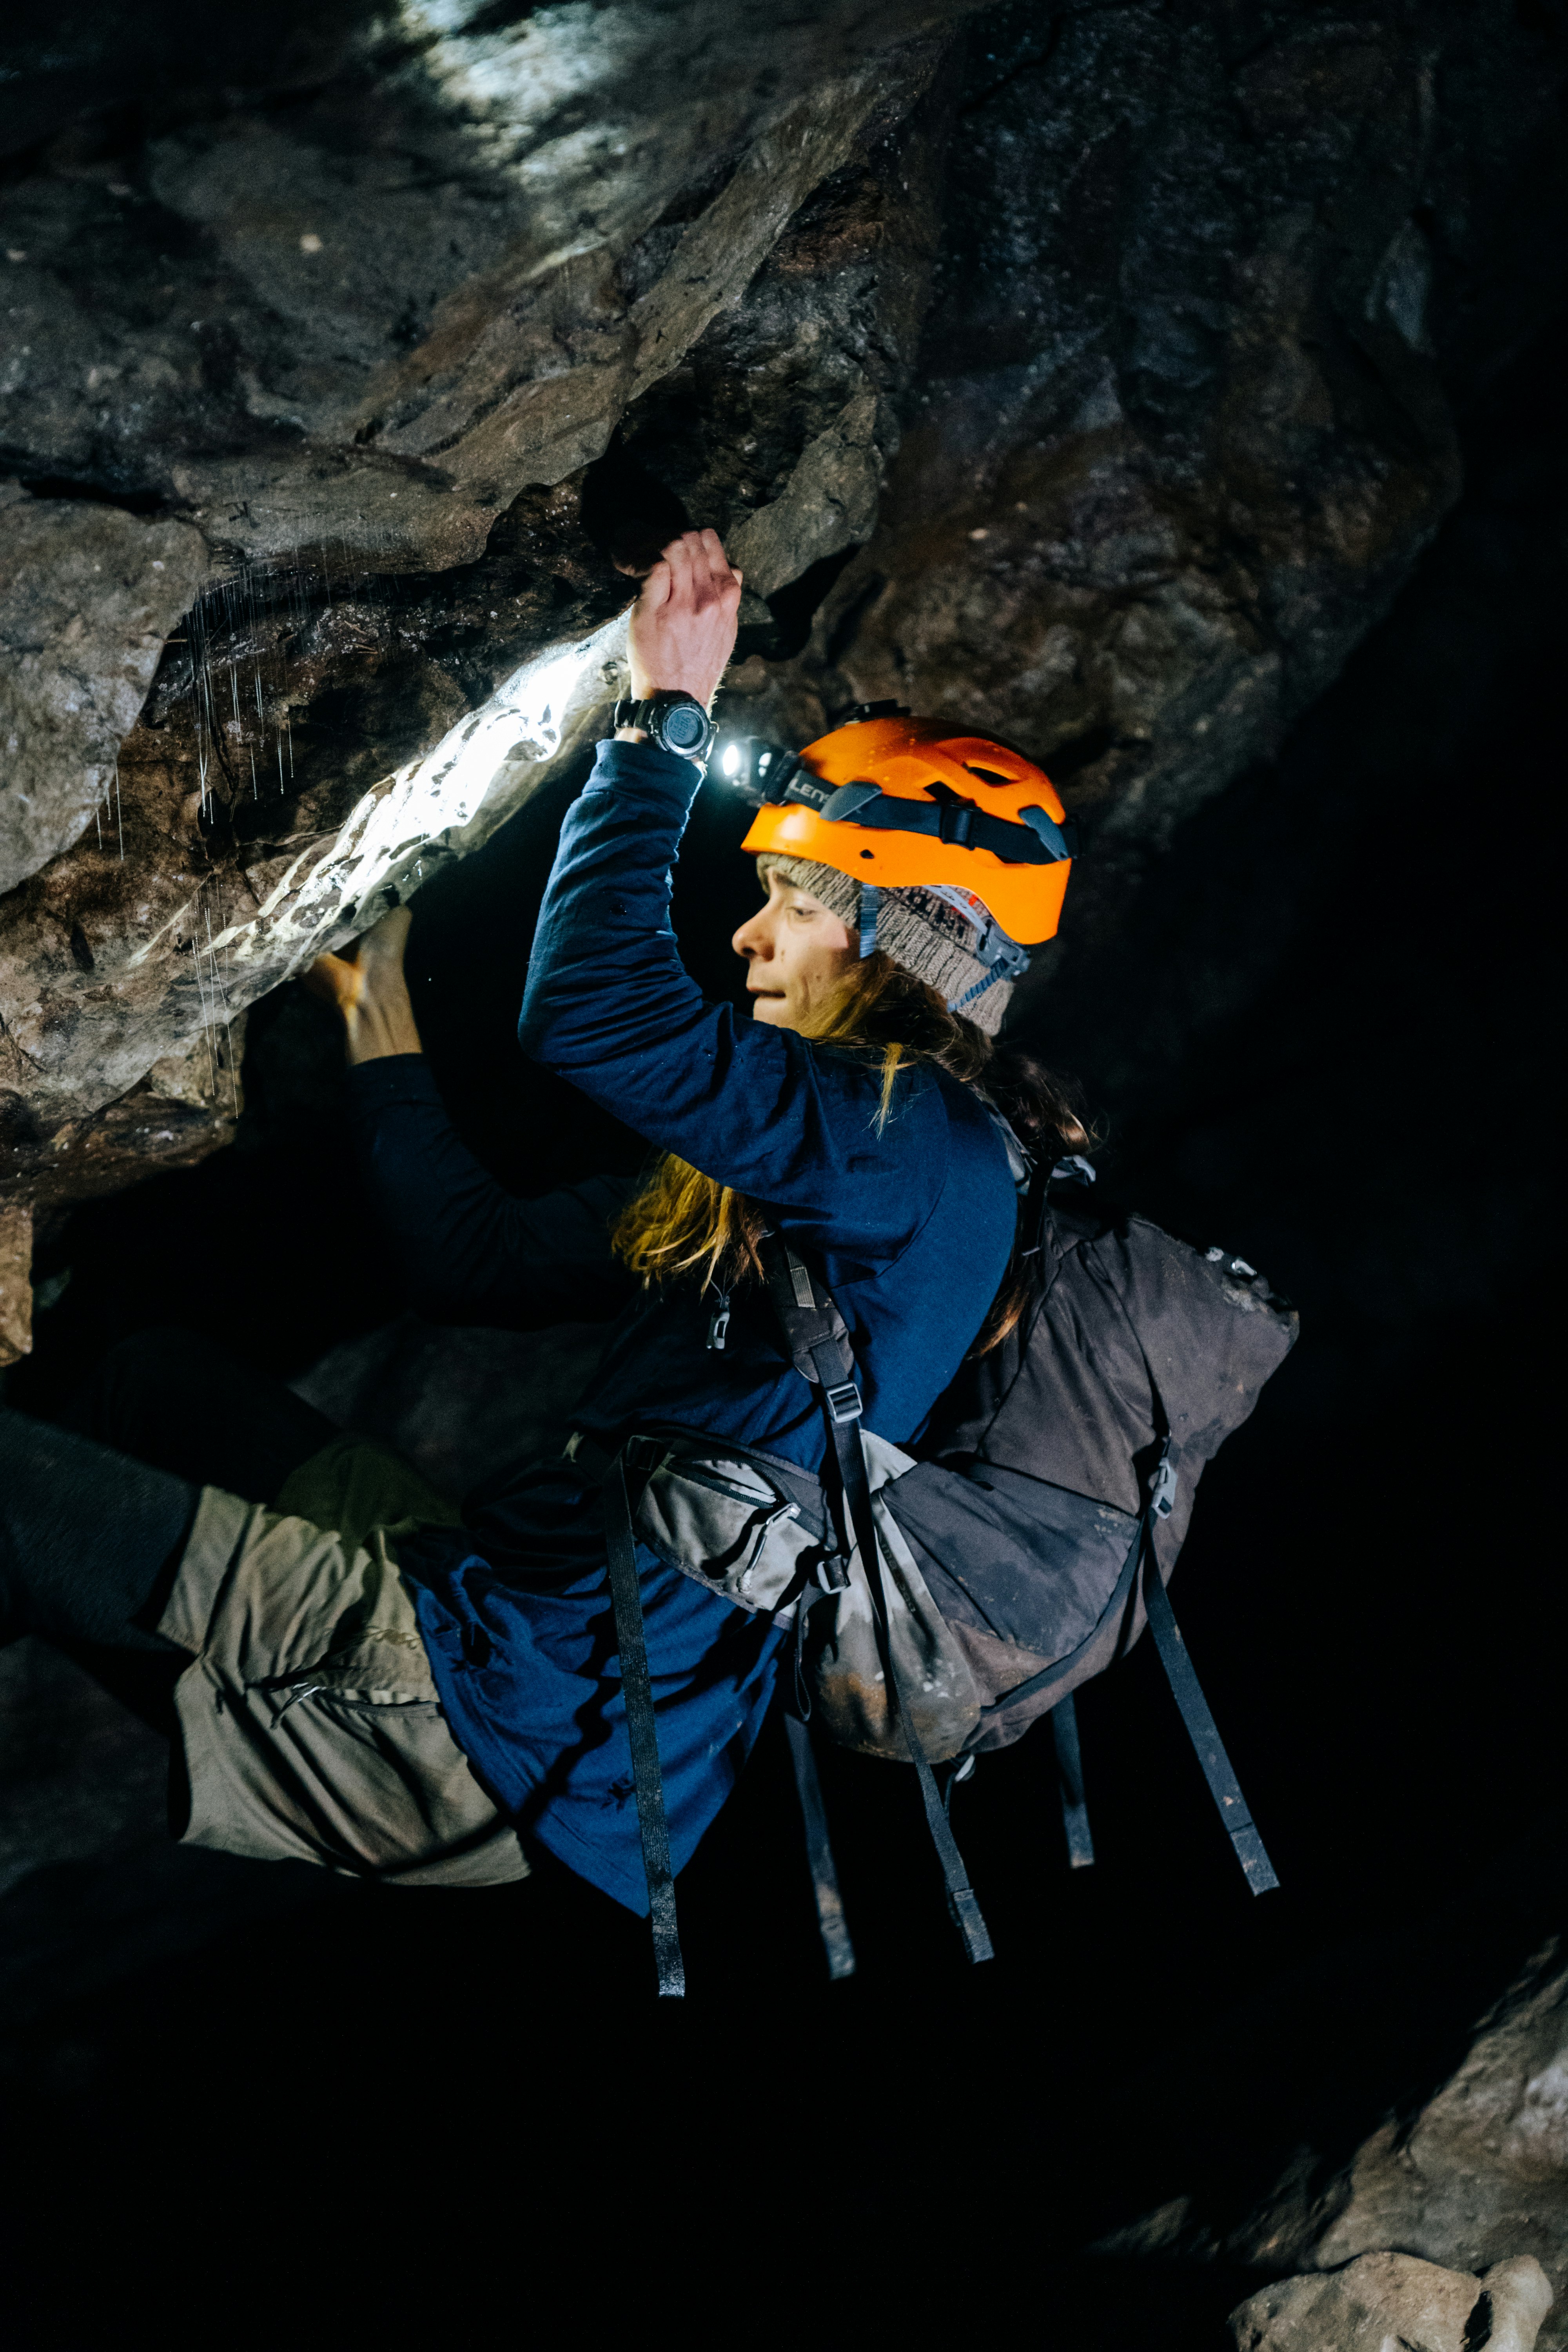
(1392,2298)
(452,290)
(1477,2176)
(335,390)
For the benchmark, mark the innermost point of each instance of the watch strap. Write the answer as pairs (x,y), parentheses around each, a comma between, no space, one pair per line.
(651,714)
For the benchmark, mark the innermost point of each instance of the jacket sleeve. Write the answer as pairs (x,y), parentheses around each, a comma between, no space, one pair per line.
(469,1251)
(610,1006)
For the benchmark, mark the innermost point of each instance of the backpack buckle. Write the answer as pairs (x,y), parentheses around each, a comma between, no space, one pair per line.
(844,1402)
(1163,1484)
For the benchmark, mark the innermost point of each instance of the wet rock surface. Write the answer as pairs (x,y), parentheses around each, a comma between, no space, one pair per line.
(88,595)
(387,351)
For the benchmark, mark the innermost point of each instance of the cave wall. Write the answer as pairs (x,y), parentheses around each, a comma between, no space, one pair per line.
(1214,287)
(325,391)
(346,362)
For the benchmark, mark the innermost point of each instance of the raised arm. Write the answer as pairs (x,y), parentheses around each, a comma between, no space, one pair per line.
(610,1005)
(469,1251)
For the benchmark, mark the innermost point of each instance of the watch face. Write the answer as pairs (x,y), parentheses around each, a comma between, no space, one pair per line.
(684,727)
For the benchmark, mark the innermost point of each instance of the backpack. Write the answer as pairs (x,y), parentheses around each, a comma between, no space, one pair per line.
(942,1604)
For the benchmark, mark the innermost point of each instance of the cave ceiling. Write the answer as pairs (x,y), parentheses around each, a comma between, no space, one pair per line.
(1090,373)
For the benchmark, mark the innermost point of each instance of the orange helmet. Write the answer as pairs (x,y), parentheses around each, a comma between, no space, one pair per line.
(897,803)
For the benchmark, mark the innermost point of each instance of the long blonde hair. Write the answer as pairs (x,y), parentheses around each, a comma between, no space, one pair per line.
(685,1225)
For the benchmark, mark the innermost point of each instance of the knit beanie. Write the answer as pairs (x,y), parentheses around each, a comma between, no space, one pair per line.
(928,932)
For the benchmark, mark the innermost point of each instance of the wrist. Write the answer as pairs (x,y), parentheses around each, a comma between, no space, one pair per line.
(373,1032)
(672,719)
(643,687)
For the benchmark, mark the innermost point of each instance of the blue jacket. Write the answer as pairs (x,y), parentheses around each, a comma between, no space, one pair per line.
(913,1224)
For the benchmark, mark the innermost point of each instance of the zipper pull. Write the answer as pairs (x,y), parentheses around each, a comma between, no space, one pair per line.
(304,1688)
(1163,1484)
(718,1321)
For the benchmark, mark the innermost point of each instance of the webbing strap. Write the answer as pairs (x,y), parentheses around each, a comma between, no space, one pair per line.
(1069,1778)
(1185,1688)
(820,1348)
(1187,1691)
(830,1916)
(948,817)
(962,1902)
(638,1690)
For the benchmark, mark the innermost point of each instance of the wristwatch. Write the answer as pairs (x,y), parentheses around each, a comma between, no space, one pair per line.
(675,721)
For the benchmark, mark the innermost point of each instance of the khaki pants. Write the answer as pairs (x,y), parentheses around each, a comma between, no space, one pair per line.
(309,1720)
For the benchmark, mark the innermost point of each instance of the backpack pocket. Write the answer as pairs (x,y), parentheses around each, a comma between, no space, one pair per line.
(1029,1563)
(724,1519)
(846,1677)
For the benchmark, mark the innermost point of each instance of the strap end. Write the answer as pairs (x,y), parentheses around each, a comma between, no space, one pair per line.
(968,1918)
(1257,1869)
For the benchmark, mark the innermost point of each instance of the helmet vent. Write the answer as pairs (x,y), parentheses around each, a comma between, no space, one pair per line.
(987,775)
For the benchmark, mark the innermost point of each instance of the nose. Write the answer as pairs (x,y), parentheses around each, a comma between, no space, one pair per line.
(751,939)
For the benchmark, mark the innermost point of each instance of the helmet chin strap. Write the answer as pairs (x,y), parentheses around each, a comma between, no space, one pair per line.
(957,1004)
(870,909)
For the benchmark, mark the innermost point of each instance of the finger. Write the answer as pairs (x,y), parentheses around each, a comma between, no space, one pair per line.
(658,587)
(725,577)
(709,568)
(678,555)
(389,934)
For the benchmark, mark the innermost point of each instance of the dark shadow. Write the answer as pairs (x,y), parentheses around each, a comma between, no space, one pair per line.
(628,512)
(792,610)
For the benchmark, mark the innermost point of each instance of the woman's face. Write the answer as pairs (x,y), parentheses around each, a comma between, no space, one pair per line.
(796,953)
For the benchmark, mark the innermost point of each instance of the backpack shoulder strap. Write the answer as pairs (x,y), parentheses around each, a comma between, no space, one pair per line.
(608,1472)
(1180,1673)
(815,1331)
(1203,1733)
(818,1341)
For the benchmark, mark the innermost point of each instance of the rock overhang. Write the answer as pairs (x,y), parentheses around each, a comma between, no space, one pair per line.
(1171,325)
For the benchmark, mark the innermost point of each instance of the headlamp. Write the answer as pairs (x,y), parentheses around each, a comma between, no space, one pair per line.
(764,771)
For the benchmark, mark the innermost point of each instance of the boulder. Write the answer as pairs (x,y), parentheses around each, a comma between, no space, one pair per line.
(1395,2303)
(1478,2175)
